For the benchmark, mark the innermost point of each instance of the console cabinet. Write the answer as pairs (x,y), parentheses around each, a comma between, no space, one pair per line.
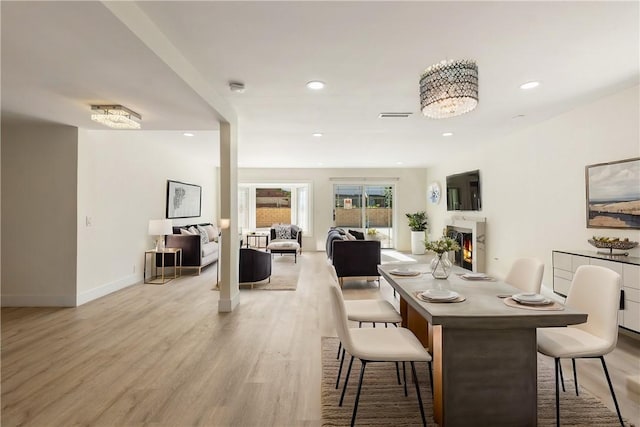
(565,263)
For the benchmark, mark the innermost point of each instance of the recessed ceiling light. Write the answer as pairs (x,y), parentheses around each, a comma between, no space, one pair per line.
(317,134)
(187,134)
(399,163)
(529,85)
(320,164)
(315,85)
(447,134)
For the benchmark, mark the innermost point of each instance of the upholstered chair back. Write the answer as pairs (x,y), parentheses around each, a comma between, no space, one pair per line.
(595,290)
(340,315)
(526,274)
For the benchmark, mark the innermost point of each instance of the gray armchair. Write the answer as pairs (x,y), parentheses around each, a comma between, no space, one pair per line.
(286,245)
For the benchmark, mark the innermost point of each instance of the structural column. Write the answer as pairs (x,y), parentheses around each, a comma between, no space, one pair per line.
(230,248)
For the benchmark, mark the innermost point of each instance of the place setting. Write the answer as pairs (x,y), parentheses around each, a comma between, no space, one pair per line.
(404,271)
(531,301)
(476,277)
(439,296)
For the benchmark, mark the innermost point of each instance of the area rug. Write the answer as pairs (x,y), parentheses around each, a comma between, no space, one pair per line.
(382,401)
(284,276)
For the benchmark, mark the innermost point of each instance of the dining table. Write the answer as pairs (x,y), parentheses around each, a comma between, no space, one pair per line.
(484,350)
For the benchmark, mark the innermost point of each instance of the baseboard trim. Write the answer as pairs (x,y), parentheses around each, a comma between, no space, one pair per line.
(227,305)
(38,301)
(107,289)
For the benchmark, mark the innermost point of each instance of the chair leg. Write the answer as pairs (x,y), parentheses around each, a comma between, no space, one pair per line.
(561,376)
(340,370)
(346,381)
(339,348)
(575,375)
(355,405)
(415,380)
(613,394)
(374,324)
(404,378)
(398,373)
(386,325)
(431,377)
(557,361)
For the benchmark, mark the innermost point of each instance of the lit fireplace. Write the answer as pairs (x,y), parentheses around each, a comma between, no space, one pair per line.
(463,257)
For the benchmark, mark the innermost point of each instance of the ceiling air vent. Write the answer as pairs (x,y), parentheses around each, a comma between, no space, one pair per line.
(394,115)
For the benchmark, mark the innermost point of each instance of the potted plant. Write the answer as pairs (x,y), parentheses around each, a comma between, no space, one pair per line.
(418,224)
(440,264)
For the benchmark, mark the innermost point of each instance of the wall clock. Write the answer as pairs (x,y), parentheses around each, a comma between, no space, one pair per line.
(433,193)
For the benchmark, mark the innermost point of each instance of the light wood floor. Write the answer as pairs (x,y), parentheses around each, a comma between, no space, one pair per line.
(162,356)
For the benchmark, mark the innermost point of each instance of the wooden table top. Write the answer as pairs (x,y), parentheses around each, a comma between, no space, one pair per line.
(482,307)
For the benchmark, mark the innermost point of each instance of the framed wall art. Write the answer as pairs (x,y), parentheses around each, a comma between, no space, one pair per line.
(613,194)
(183,200)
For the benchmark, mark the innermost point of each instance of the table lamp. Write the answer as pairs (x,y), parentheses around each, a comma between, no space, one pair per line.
(160,228)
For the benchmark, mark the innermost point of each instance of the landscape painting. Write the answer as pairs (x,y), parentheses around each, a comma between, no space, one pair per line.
(613,194)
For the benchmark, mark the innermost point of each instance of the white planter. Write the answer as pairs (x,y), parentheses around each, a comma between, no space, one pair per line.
(417,242)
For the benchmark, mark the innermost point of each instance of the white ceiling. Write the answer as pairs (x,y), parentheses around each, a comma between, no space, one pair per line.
(60,57)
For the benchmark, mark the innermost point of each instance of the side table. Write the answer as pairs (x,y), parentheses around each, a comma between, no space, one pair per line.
(162,278)
(256,239)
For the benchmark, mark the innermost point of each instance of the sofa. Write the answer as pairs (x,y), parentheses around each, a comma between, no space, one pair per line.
(199,244)
(352,257)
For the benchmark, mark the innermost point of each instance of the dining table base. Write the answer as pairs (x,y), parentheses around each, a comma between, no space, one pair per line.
(485,377)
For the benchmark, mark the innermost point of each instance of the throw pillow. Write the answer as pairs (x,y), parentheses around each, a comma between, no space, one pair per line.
(283,231)
(358,235)
(350,236)
(212,231)
(185,232)
(204,236)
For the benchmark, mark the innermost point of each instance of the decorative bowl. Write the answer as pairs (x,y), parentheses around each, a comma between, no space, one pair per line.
(615,244)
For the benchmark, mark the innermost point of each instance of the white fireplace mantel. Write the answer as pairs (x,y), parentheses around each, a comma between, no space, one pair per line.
(475,226)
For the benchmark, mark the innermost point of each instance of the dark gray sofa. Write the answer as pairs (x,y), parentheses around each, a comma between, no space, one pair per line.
(352,258)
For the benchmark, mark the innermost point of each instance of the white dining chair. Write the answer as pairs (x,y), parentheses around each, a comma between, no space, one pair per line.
(375,345)
(594,290)
(366,311)
(526,274)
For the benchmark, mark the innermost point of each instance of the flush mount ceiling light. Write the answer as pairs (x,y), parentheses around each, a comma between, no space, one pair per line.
(315,85)
(449,89)
(529,85)
(317,134)
(447,134)
(115,116)
(188,134)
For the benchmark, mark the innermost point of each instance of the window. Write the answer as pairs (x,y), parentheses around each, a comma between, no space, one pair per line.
(264,204)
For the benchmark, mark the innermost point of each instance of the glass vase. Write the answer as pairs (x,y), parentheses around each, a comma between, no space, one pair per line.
(441,266)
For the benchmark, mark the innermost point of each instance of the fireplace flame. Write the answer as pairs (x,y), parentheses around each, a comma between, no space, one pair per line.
(467,251)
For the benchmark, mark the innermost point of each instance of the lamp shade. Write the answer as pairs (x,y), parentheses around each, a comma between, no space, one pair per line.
(160,227)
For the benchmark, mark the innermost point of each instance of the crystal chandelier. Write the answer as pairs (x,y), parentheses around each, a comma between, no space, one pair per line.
(449,88)
(115,116)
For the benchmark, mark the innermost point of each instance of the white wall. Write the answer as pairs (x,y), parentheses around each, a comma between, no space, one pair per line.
(410,195)
(533,182)
(39,163)
(122,184)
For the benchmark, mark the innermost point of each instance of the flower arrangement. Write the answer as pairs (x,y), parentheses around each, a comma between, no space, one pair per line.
(444,244)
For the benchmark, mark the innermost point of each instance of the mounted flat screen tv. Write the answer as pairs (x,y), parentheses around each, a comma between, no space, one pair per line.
(463,191)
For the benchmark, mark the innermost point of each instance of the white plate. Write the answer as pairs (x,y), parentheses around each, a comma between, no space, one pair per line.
(439,295)
(542,302)
(404,272)
(528,297)
(474,275)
